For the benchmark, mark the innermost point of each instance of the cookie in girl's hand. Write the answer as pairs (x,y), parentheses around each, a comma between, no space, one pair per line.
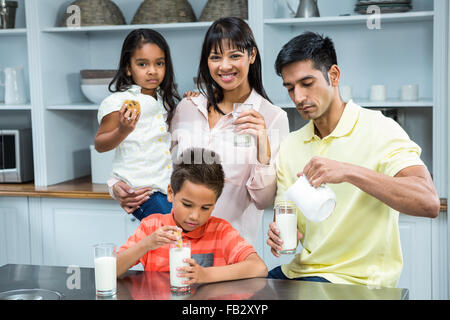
(132,105)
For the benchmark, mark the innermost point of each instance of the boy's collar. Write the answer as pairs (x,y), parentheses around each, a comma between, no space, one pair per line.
(195,234)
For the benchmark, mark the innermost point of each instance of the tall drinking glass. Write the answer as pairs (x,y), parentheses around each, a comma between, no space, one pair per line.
(241,140)
(177,253)
(105,269)
(285,217)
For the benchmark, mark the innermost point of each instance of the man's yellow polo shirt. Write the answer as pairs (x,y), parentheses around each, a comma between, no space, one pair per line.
(359,243)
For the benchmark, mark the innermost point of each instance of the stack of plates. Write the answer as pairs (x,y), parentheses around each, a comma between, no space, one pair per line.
(386,6)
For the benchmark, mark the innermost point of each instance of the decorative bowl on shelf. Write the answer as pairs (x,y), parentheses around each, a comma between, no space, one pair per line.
(215,9)
(95,93)
(95,83)
(386,6)
(164,11)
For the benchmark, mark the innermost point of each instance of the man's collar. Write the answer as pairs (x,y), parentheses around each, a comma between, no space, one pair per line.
(345,125)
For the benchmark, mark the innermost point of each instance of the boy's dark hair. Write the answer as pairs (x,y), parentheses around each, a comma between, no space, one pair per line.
(134,40)
(308,46)
(238,34)
(199,166)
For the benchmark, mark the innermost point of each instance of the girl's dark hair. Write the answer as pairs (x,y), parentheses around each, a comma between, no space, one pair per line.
(199,166)
(239,35)
(136,39)
(308,46)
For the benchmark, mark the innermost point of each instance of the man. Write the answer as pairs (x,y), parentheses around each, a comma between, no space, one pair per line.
(365,158)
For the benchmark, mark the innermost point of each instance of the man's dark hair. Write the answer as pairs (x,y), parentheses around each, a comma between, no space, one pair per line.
(308,46)
(199,166)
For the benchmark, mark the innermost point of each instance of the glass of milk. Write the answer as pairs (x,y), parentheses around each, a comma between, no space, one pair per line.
(105,269)
(177,253)
(241,140)
(285,217)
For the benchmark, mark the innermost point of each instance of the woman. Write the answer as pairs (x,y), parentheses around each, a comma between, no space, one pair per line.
(229,72)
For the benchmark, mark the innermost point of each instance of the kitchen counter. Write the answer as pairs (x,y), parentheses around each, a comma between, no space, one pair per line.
(80,188)
(79,284)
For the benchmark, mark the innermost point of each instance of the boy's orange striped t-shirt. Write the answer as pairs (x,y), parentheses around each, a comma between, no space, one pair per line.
(216,243)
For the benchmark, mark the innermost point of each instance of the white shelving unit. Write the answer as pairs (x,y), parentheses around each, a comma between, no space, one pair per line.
(129,27)
(352,19)
(422,103)
(410,47)
(5,107)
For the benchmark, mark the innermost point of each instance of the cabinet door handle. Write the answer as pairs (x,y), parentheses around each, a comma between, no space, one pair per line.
(443,205)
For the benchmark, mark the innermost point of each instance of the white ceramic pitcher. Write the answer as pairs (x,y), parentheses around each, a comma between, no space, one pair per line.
(14,83)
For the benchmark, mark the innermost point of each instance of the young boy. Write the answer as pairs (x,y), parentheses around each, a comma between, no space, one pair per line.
(219,253)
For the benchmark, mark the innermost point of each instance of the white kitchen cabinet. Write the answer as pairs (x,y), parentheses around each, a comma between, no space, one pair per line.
(71,227)
(415,236)
(14,230)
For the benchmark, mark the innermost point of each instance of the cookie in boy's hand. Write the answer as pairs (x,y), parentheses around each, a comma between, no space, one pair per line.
(132,105)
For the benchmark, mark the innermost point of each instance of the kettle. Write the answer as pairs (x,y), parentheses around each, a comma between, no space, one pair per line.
(15,92)
(306,9)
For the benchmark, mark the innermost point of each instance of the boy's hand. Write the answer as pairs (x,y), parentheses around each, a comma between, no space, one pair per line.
(128,119)
(195,272)
(162,236)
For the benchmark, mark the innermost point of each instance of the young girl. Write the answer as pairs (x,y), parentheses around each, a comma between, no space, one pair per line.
(135,119)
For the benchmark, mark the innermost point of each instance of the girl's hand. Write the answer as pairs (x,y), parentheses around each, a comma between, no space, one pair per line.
(252,122)
(128,119)
(163,236)
(195,272)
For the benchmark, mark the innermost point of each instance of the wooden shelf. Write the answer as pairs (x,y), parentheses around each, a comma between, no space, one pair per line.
(80,188)
(352,19)
(129,27)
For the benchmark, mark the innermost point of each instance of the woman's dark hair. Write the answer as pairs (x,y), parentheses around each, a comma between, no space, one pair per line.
(240,36)
(136,39)
(199,166)
(308,46)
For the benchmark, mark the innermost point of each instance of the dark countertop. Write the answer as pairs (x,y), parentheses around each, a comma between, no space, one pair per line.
(79,284)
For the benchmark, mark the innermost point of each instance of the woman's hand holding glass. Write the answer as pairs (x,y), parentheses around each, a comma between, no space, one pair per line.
(252,122)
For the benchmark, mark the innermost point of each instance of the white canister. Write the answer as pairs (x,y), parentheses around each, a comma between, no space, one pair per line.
(15,91)
(346,92)
(410,92)
(378,92)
